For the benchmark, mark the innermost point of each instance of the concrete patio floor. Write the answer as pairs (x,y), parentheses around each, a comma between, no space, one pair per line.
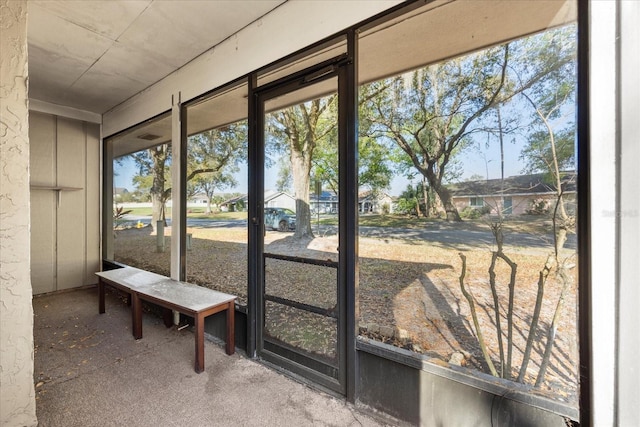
(90,371)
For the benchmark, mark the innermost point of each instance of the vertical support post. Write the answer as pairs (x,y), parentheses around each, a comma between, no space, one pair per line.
(101,307)
(628,400)
(178,174)
(178,192)
(160,236)
(199,346)
(255,232)
(583,227)
(107,201)
(136,315)
(348,214)
(231,328)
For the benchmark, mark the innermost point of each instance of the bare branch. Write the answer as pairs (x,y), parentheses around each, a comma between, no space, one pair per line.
(474,315)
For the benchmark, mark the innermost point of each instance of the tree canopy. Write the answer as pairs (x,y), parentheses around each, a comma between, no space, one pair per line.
(432,113)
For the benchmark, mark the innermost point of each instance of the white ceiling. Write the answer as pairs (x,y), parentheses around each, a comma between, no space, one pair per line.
(93,55)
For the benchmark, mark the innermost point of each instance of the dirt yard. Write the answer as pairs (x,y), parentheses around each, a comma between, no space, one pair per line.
(409,295)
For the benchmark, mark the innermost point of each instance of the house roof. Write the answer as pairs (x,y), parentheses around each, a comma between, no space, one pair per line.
(267,197)
(370,195)
(234,200)
(325,196)
(513,185)
(275,195)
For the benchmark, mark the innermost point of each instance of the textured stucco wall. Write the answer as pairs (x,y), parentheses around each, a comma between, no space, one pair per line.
(17,397)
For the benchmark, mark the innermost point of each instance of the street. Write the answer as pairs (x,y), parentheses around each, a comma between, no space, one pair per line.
(446,234)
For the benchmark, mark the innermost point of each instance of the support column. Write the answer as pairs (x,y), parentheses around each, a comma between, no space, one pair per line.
(177,176)
(628,213)
(17,396)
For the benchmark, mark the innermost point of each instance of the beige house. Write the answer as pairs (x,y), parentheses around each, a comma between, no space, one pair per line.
(515,195)
(279,199)
(370,202)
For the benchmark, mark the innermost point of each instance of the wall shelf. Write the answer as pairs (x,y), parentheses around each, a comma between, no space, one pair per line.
(55,188)
(58,189)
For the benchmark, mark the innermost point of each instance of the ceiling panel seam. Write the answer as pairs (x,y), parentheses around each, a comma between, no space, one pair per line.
(116,41)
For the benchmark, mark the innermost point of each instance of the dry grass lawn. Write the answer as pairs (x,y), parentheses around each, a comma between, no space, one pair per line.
(408,288)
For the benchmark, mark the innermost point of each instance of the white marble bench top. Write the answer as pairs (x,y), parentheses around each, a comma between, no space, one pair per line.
(145,283)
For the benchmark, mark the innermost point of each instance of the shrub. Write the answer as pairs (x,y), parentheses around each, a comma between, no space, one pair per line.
(538,207)
(474,213)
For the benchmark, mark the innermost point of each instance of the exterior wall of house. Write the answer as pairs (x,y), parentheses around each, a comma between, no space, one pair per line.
(65,202)
(376,206)
(17,396)
(520,204)
(282,201)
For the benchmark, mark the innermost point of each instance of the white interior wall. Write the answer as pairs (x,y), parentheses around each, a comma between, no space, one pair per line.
(65,202)
(292,26)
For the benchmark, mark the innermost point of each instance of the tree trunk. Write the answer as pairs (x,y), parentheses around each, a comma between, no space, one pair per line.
(425,196)
(301,167)
(158,197)
(447,201)
(445,197)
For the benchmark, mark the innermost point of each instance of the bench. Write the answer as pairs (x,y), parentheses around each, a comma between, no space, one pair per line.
(189,299)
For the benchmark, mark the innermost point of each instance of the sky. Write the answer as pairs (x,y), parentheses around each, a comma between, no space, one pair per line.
(485,163)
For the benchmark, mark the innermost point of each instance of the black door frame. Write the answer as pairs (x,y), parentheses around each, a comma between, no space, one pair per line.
(343,68)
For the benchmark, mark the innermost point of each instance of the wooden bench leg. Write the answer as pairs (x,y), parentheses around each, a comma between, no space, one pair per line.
(100,296)
(136,316)
(167,317)
(231,328)
(199,332)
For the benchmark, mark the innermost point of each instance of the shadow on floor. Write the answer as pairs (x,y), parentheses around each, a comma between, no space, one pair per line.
(89,371)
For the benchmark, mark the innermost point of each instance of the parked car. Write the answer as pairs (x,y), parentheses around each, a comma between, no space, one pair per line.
(281,219)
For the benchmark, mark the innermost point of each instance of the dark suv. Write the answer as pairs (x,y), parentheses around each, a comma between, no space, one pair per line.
(281,219)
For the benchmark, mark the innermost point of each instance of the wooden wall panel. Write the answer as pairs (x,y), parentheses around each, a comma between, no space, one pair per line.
(92,203)
(71,161)
(65,202)
(42,169)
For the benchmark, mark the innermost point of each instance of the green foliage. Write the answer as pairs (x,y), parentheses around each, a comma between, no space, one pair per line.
(118,215)
(213,157)
(285,179)
(550,146)
(430,115)
(538,153)
(406,206)
(306,134)
(474,213)
(153,170)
